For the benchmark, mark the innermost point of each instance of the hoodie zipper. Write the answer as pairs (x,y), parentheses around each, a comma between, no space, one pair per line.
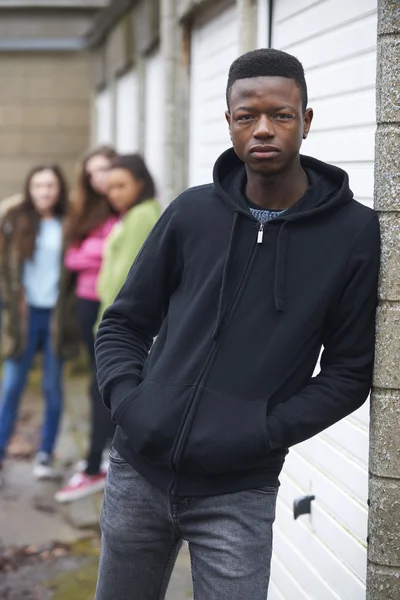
(187,420)
(260,235)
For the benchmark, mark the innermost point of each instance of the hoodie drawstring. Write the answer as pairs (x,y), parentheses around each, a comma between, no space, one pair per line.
(280,267)
(218,322)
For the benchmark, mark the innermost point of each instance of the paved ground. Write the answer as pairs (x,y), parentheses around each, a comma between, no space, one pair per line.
(30,517)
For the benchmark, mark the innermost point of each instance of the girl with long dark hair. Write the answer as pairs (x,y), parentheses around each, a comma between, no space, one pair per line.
(37,301)
(90,222)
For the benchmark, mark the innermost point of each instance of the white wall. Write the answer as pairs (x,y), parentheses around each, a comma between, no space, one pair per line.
(214,46)
(154,120)
(336,42)
(323,557)
(127,117)
(103,117)
(262,23)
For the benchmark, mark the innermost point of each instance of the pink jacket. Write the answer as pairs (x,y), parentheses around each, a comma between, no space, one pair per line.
(85,259)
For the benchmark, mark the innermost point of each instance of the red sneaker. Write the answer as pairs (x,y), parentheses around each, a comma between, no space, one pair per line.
(81,485)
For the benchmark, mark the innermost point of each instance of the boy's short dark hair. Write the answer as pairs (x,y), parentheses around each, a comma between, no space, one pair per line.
(267,62)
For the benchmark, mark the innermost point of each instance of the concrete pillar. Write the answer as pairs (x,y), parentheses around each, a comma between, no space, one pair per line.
(176,71)
(247,10)
(383,578)
(140,66)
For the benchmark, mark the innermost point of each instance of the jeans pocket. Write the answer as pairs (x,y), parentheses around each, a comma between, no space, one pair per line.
(116,458)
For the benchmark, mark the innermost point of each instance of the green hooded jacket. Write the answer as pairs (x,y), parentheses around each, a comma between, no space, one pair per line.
(122,246)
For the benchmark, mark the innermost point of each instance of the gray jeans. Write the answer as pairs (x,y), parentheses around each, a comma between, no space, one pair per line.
(229,538)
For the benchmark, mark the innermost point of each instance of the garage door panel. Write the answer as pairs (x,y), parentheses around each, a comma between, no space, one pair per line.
(348,110)
(318,569)
(336,465)
(154,124)
(215,128)
(288,585)
(211,56)
(103,112)
(127,107)
(361,416)
(217,73)
(216,46)
(284,9)
(338,147)
(298,563)
(354,73)
(352,39)
(321,18)
(336,42)
(347,512)
(361,176)
(338,540)
(351,439)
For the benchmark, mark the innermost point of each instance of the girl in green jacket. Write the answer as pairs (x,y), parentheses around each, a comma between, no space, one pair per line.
(131,192)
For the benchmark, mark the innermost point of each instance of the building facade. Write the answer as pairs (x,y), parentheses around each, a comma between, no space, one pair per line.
(45,89)
(160,73)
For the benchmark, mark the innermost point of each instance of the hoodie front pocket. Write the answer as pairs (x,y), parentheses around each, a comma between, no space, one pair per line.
(227,433)
(151,418)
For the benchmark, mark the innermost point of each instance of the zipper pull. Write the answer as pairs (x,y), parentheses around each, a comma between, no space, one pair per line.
(260,234)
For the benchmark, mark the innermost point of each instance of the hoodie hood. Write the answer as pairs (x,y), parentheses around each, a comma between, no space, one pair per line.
(328,191)
(329,187)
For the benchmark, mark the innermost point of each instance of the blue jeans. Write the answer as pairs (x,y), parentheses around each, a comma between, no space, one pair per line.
(15,374)
(229,537)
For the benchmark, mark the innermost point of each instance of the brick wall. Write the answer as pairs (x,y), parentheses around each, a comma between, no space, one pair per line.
(44,113)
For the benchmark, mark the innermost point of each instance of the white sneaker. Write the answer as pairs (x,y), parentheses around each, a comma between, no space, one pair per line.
(43,468)
(82,464)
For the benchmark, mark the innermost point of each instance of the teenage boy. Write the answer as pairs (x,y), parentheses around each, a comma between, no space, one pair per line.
(242,281)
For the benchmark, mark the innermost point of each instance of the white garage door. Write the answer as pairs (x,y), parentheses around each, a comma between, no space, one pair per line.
(324,557)
(154,125)
(214,46)
(127,119)
(103,117)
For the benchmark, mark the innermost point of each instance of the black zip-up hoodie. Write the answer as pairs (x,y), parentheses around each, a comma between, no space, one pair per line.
(241,315)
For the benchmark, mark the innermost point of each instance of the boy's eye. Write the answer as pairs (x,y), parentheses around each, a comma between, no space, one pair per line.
(244,117)
(284,116)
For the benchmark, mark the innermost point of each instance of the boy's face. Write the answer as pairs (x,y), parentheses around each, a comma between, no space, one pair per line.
(267,123)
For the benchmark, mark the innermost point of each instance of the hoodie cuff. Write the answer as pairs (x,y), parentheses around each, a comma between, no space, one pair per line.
(120,392)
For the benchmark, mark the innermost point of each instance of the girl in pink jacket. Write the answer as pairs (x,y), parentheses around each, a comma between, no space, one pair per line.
(91,220)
